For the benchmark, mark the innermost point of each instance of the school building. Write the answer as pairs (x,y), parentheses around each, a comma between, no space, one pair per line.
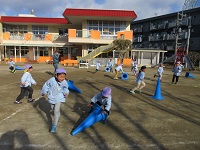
(81,33)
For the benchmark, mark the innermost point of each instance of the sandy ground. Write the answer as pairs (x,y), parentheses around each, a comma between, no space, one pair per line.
(136,121)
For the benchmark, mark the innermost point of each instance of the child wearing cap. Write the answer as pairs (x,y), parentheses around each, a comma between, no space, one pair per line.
(25,85)
(140,80)
(104,99)
(57,90)
(98,65)
(12,65)
(160,71)
(134,67)
(117,70)
(177,72)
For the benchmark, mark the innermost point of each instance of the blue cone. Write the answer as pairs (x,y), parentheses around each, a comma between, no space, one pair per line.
(18,68)
(95,116)
(72,87)
(107,69)
(189,75)
(124,76)
(158,94)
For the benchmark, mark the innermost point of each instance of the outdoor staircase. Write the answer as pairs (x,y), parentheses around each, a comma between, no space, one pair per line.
(98,51)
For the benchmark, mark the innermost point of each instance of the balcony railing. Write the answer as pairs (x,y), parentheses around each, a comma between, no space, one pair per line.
(38,37)
(16,36)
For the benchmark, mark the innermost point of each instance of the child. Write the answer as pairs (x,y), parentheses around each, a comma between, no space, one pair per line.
(140,80)
(110,65)
(103,98)
(98,65)
(160,71)
(134,67)
(117,70)
(177,72)
(25,85)
(57,90)
(12,65)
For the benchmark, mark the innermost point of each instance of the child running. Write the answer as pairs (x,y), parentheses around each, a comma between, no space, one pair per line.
(25,85)
(160,71)
(177,72)
(140,80)
(12,65)
(57,90)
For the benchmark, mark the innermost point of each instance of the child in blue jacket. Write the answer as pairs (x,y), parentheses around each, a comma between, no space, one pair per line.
(57,90)
(12,65)
(25,85)
(177,72)
(103,98)
(140,80)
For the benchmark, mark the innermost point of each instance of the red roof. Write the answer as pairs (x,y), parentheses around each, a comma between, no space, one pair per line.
(99,13)
(33,20)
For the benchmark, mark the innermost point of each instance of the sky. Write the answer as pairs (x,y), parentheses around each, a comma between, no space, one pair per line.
(55,8)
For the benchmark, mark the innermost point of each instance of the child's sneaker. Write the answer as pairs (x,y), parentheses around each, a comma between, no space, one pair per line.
(132,91)
(16,102)
(53,129)
(30,100)
(140,91)
(116,78)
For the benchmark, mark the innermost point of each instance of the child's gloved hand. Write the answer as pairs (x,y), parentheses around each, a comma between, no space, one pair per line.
(23,83)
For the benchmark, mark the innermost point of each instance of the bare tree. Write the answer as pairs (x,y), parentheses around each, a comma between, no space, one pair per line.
(123,46)
(194,57)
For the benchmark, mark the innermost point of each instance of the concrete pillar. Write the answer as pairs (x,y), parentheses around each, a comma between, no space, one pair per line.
(138,57)
(20,54)
(33,53)
(141,58)
(158,56)
(163,56)
(15,53)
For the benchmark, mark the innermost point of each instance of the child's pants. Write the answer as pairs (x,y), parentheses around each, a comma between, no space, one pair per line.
(116,73)
(174,76)
(55,67)
(138,85)
(23,91)
(56,109)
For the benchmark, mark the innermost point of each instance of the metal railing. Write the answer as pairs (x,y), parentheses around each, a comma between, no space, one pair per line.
(38,37)
(97,51)
(14,36)
(60,38)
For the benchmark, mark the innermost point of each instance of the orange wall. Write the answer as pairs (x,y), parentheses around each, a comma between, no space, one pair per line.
(18,60)
(95,34)
(44,58)
(27,36)
(126,62)
(71,33)
(6,36)
(127,34)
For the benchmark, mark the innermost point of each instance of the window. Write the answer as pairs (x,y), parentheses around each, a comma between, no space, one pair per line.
(15,29)
(63,31)
(43,51)
(40,29)
(106,27)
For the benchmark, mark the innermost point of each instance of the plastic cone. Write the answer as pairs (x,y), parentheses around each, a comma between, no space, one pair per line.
(189,75)
(158,94)
(95,116)
(72,87)
(107,69)
(124,76)
(18,68)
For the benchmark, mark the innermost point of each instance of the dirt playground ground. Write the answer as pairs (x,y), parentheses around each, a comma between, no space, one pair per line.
(136,122)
